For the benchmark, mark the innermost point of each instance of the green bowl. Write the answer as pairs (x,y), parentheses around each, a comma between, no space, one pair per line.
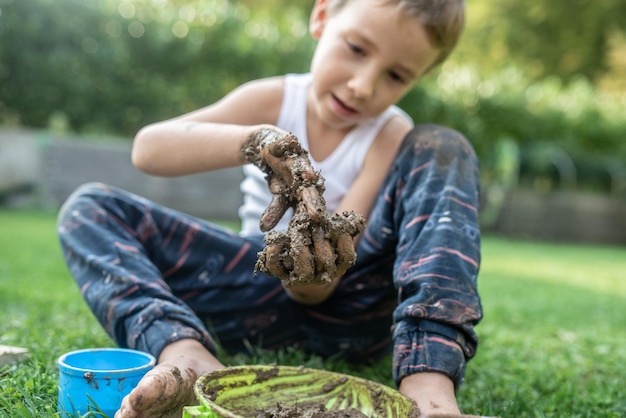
(247,391)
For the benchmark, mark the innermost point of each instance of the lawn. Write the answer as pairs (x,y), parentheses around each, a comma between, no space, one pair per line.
(553,340)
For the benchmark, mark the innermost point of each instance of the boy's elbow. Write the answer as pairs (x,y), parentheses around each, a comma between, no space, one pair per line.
(308,300)
(310,295)
(139,154)
(138,159)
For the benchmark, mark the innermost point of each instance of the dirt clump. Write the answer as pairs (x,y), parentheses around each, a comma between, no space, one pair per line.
(317,247)
(315,411)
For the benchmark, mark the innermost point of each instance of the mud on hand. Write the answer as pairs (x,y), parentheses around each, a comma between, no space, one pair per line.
(317,247)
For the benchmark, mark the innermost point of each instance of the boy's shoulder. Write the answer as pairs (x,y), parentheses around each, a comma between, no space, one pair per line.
(254,102)
(278,83)
(268,85)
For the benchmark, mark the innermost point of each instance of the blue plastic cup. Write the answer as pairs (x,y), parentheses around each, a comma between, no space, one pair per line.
(96,380)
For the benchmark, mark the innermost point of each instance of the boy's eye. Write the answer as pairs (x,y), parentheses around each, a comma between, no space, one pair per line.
(355,48)
(396,77)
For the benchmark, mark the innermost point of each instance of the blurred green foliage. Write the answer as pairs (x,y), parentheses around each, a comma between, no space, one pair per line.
(508,105)
(114,65)
(526,71)
(563,38)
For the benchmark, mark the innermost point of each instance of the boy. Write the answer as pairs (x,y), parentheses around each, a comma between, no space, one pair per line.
(157,279)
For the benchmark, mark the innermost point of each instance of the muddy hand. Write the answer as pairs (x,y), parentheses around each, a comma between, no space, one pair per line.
(311,252)
(317,247)
(330,240)
(290,175)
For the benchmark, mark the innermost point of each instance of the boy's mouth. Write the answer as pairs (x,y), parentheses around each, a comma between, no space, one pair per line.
(342,108)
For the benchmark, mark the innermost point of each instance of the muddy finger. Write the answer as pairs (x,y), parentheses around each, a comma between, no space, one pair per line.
(285,145)
(313,202)
(276,184)
(325,267)
(274,212)
(303,264)
(272,262)
(346,256)
(277,165)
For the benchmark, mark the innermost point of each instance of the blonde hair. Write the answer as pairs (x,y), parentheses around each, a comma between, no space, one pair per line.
(443,21)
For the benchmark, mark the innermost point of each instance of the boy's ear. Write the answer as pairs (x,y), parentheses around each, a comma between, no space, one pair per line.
(318,18)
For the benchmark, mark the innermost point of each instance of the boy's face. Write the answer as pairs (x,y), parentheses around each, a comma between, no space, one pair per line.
(369,54)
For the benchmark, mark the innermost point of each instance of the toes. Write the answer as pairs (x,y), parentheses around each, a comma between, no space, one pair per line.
(150,389)
(126,410)
(161,393)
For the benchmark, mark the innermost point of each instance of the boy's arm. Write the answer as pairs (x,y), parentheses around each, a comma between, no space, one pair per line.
(209,138)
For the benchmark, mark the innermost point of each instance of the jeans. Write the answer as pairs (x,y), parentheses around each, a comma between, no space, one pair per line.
(152,275)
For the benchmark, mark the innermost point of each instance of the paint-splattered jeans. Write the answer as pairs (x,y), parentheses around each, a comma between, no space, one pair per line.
(153,276)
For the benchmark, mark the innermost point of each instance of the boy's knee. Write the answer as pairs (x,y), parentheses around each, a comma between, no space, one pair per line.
(445,143)
(83,193)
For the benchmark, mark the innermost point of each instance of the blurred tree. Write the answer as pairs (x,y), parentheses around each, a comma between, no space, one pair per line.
(115,65)
(38,42)
(564,38)
(614,78)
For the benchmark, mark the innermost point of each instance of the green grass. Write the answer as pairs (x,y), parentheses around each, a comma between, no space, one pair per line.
(553,341)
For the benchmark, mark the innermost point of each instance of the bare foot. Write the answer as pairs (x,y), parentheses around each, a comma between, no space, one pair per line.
(433,392)
(166,389)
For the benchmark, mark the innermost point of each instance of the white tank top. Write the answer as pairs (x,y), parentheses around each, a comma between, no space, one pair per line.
(339,169)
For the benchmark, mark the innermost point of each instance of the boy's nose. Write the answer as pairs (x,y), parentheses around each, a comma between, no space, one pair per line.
(363,84)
